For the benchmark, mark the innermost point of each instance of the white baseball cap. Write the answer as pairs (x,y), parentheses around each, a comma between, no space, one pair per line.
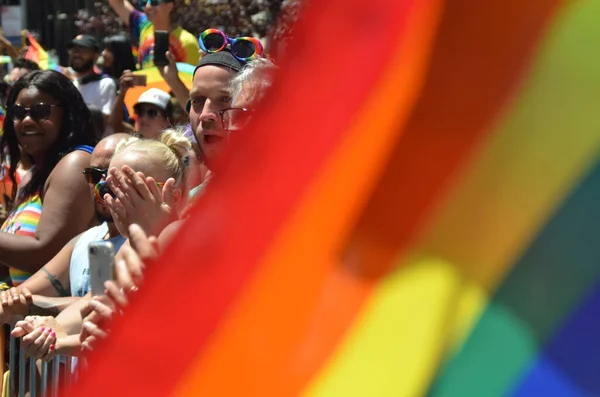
(155,96)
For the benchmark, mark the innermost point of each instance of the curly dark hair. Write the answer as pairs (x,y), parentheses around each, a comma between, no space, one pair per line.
(76,128)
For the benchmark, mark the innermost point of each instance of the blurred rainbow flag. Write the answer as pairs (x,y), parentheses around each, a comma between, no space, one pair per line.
(2,116)
(415,212)
(37,54)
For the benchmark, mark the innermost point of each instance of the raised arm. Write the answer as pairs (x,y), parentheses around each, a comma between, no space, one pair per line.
(122,8)
(115,119)
(6,44)
(67,211)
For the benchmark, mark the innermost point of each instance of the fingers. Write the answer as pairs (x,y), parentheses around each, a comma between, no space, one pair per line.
(171,58)
(94,330)
(122,190)
(126,80)
(138,183)
(129,270)
(50,354)
(154,189)
(86,310)
(47,343)
(25,292)
(33,341)
(89,343)
(18,332)
(104,311)
(141,244)
(22,328)
(14,294)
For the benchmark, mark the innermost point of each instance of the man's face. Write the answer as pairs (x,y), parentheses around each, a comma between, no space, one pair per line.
(100,160)
(158,12)
(209,95)
(82,59)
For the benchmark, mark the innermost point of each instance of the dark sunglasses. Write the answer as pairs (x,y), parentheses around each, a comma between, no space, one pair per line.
(39,112)
(151,113)
(94,175)
(153,3)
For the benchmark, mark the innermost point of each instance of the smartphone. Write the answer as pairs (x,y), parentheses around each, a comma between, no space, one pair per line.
(161,46)
(102,265)
(140,80)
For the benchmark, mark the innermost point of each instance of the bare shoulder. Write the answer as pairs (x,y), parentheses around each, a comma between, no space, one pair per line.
(70,168)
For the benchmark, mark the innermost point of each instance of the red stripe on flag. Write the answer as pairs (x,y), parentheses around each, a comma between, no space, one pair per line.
(323,84)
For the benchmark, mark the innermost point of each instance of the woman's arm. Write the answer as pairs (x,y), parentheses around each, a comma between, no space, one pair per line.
(170,74)
(122,8)
(115,119)
(68,209)
(54,278)
(68,345)
(10,49)
(70,318)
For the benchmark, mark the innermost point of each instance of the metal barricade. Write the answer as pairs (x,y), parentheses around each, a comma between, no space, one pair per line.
(52,376)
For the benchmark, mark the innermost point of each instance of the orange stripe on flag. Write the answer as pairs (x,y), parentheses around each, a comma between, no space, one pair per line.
(296,333)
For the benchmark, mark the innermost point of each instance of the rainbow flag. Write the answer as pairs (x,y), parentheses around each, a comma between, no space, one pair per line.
(37,54)
(413,213)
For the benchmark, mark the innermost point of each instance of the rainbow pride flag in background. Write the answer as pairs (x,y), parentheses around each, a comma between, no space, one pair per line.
(415,212)
(37,54)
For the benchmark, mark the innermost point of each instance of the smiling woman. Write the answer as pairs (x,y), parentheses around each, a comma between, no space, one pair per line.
(48,122)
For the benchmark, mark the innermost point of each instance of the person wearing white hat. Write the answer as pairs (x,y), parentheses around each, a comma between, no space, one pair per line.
(153,112)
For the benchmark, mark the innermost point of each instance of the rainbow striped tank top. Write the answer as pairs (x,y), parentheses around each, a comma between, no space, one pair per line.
(24,222)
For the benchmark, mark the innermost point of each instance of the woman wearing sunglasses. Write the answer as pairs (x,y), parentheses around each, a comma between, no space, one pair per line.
(48,119)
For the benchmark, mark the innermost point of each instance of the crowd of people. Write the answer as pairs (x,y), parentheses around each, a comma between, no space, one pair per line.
(240,17)
(78,168)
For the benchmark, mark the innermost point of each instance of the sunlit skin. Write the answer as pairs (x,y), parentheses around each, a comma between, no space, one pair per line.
(159,15)
(147,126)
(36,137)
(210,94)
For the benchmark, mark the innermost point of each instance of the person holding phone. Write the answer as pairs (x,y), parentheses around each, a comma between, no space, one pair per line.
(153,110)
(157,15)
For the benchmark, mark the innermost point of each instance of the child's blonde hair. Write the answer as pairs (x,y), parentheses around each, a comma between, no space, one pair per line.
(172,147)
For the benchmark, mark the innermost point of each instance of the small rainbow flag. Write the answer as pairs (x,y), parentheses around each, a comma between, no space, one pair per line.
(37,54)
(2,116)
(414,212)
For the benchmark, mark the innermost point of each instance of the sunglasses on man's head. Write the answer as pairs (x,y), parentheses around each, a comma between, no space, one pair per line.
(94,175)
(39,112)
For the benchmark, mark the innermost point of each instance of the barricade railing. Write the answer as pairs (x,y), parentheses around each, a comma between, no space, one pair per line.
(26,378)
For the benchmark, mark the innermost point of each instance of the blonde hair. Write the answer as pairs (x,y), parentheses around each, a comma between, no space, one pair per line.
(172,148)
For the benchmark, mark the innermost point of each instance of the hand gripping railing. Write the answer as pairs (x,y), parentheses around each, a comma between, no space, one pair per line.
(38,378)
